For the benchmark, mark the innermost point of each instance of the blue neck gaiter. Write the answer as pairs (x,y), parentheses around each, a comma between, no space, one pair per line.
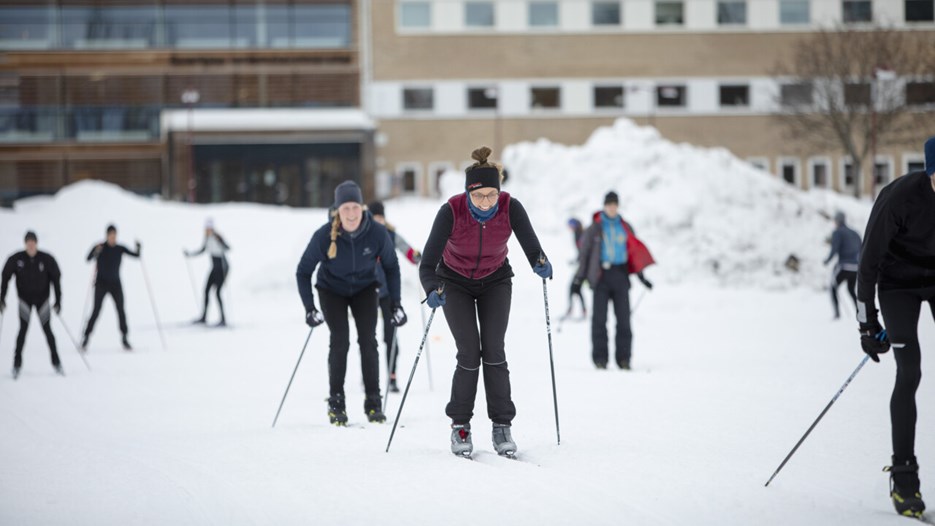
(478,214)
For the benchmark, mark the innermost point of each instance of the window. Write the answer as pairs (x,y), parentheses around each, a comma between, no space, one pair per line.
(605,13)
(882,172)
(608,96)
(821,173)
(789,170)
(108,27)
(731,13)
(856,11)
(543,14)
(670,96)
(308,26)
(849,174)
(919,93)
(857,94)
(795,94)
(408,178)
(478,14)
(545,97)
(794,12)
(413,14)
(670,13)
(418,99)
(920,11)
(482,98)
(25,27)
(735,96)
(915,166)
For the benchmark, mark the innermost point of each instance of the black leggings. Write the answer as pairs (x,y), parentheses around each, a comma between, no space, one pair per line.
(900,309)
(363,306)
(839,277)
(216,279)
(488,304)
(45,318)
(101,289)
(389,332)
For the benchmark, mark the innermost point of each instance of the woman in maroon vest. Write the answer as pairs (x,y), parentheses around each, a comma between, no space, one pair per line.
(465,271)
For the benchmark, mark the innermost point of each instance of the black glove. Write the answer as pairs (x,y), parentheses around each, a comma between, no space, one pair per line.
(138,247)
(873,338)
(646,283)
(576,286)
(313,318)
(57,307)
(399,316)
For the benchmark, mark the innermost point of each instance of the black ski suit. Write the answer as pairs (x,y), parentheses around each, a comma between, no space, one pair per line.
(216,248)
(107,281)
(34,277)
(898,257)
(478,292)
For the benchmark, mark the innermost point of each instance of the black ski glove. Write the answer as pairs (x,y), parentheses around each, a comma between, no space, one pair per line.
(57,307)
(873,338)
(646,283)
(313,318)
(399,316)
(576,286)
(138,247)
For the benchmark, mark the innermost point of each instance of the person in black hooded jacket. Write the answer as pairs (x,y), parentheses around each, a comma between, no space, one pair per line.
(35,273)
(346,251)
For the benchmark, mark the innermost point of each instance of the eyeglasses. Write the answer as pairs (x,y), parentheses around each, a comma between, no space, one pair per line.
(478,197)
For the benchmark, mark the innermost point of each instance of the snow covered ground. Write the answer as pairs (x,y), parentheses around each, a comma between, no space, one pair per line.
(726,378)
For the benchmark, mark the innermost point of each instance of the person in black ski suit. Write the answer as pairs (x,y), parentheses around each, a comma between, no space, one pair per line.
(346,251)
(378,211)
(465,271)
(35,272)
(577,230)
(107,281)
(898,258)
(611,252)
(217,248)
(845,244)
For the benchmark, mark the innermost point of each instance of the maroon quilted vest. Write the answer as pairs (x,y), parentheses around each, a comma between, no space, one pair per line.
(476,250)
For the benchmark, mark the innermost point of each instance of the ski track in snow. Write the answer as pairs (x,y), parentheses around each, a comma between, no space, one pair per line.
(726,380)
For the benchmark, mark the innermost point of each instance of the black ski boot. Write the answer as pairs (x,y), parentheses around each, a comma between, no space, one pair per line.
(337,413)
(126,344)
(58,369)
(393,387)
(15,373)
(904,487)
(84,342)
(373,406)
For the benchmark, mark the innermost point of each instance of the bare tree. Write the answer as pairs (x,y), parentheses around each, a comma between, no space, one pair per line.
(843,89)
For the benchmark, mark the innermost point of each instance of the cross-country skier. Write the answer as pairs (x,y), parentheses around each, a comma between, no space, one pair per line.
(346,251)
(216,247)
(109,255)
(465,271)
(898,257)
(35,272)
(577,230)
(378,211)
(611,252)
(845,244)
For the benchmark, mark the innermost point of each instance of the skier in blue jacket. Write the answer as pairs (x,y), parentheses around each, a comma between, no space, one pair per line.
(346,251)
(845,244)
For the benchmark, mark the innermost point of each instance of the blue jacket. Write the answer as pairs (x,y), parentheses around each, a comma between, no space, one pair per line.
(355,266)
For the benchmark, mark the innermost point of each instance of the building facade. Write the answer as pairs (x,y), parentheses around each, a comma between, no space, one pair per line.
(213,100)
(451,74)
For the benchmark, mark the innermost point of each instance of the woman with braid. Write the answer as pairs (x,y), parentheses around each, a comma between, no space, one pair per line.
(346,252)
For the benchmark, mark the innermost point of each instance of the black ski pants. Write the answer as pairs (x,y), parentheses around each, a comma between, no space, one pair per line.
(901,309)
(840,276)
(389,333)
(45,317)
(363,307)
(101,289)
(486,304)
(614,285)
(215,279)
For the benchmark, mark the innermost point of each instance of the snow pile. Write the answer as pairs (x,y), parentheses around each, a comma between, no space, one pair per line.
(703,212)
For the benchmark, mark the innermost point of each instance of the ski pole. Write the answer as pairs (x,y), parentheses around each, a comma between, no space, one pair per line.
(191,278)
(825,410)
(152,301)
(428,355)
(73,341)
(389,370)
(548,330)
(638,301)
(402,401)
(307,338)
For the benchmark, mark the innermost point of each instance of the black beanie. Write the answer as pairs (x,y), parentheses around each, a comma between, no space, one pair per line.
(31,236)
(611,197)
(111,228)
(481,174)
(347,192)
(376,208)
